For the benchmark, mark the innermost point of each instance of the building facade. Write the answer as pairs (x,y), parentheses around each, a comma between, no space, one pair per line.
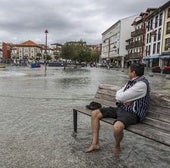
(158,37)
(26,50)
(114,42)
(6,52)
(135,45)
(56,48)
(165,56)
(154,37)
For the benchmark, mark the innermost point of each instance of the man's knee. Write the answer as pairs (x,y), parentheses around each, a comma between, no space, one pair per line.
(96,114)
(118,127)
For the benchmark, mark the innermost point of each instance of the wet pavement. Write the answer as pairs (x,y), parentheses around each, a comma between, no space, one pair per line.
(36,121)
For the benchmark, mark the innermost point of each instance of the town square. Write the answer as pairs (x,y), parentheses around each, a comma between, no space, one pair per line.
(46,72)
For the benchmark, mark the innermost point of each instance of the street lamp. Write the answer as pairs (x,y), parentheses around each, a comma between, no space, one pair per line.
(45,62)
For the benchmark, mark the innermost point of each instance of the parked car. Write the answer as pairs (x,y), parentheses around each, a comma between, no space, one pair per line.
(35,65)
(156,69)
(55,64)
(166,70)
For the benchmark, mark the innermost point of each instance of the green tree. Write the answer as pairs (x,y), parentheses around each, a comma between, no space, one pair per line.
(38,56)
(76,51)
(95,56)
(67,51)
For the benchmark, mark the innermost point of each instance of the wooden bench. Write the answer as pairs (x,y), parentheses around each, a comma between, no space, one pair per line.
(156,126)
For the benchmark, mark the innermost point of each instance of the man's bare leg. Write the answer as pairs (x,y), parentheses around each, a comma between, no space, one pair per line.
(96,115)
(118,134)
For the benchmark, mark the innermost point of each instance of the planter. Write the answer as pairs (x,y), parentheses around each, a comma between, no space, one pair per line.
(166,70)
(156,69)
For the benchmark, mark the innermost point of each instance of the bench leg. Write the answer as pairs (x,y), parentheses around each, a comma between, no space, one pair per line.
(75,120)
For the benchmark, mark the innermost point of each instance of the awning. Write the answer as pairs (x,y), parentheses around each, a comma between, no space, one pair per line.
(151,57)
(154,56)
(134,59)
(146,58)
(164,56)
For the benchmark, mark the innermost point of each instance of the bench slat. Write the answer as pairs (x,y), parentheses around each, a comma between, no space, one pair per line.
(157,124)
(159,116)
(105,97)
(161,110)
(104,102)
(151,133)
(106,92)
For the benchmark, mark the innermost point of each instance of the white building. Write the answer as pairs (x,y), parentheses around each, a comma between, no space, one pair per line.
(158,37)
(27,49)
(114,41)
(154,35)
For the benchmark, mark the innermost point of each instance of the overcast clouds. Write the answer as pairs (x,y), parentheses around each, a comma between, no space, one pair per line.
(66,20)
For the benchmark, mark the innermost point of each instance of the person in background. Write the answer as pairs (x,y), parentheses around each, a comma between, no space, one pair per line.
(132,102)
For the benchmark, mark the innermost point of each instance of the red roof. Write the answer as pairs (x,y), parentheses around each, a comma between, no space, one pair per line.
(29,43)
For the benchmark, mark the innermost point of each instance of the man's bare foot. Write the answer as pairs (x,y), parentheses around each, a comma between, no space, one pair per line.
(92,148)
(116,151)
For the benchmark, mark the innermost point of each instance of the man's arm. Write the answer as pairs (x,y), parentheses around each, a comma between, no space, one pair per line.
(137,91)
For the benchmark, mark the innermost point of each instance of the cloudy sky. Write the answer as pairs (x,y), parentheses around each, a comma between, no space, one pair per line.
(65,20)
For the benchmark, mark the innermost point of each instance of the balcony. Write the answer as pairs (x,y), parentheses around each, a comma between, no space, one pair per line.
(135,44)
(136,55)
(137,32)
(129,46)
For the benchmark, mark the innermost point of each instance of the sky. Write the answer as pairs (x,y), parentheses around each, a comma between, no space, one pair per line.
(65,20)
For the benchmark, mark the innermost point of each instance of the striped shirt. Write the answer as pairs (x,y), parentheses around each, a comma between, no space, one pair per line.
(135,96)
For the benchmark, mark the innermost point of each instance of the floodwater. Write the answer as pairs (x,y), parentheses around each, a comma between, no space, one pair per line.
(36,121)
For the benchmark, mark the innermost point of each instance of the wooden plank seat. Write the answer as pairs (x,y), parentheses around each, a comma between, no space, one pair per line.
(156,126)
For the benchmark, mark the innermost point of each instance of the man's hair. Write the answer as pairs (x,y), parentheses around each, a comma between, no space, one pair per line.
(138,68)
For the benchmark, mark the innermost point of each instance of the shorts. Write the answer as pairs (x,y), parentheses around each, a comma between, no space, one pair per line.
(120,115)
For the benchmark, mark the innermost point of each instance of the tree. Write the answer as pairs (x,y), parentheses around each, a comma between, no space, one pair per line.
(95,56)
(38,56)
(67,51)
(76,51)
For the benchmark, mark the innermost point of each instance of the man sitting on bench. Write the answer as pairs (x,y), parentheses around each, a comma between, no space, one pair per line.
(132,102)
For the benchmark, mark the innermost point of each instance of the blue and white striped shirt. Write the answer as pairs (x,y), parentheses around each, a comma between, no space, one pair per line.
(135,96)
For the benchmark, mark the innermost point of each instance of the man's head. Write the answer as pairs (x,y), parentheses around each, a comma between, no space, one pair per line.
(136,69)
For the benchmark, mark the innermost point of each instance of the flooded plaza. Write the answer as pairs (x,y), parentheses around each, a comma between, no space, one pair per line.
(36,121)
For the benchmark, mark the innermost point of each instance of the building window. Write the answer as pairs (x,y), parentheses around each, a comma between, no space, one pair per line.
(147,38)
(168,28)
(154,48)
(150,37)
(148,50)
(25,50)
(160,19)
(148,26)
(155,35)
(167,43)
(151,24)
(158,47)
(156,21)
(159,34)
(168,13)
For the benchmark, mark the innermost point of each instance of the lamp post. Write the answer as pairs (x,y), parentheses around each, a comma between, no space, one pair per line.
(45,62)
